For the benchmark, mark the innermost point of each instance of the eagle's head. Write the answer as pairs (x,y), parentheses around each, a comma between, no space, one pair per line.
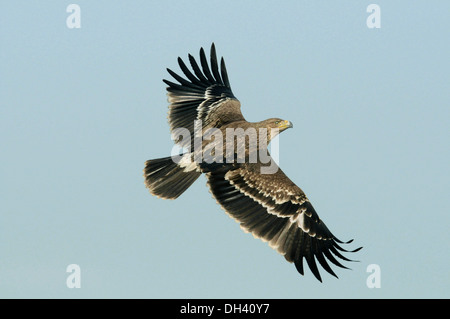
(280,124)
(275,126)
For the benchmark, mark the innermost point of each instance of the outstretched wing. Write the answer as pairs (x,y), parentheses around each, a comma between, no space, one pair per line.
(205,95)
(274,209)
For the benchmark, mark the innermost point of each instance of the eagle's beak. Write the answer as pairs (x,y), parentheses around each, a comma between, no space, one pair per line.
(285,125)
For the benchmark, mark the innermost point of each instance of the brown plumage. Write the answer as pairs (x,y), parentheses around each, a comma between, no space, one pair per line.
(268,205)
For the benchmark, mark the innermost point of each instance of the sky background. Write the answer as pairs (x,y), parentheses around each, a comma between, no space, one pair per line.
(81,110)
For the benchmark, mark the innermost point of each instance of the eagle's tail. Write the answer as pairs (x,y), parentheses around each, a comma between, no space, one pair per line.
(168,179)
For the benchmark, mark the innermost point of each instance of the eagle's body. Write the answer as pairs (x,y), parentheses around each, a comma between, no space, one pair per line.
(268,205)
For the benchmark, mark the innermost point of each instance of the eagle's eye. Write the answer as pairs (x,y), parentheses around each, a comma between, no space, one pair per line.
(277,122)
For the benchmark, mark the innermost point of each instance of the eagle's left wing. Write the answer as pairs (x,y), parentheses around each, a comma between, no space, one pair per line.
(274,209)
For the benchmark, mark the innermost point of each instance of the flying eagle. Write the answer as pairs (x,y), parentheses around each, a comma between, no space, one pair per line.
(267,205)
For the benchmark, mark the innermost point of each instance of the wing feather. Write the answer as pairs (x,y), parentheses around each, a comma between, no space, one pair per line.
(197,70)
(224,72)
(187,72)
(205,67)
(214,65)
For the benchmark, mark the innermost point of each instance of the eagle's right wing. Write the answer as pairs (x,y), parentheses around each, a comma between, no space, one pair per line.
(205,95)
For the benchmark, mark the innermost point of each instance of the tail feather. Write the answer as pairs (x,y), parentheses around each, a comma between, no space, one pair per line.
(166,179)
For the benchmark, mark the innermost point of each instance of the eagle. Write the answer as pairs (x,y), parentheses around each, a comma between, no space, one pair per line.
(266,204)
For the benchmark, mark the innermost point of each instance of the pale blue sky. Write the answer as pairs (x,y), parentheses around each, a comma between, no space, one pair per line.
(83,109)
